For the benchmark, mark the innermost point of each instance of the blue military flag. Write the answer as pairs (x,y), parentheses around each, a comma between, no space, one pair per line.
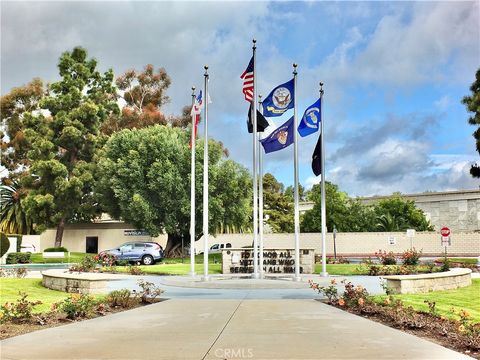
(279,138)
(279,100)
(310,120)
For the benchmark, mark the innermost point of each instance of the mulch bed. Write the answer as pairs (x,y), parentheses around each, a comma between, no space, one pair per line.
(439,330)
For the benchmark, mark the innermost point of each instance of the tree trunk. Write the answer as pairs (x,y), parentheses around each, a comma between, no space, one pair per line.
(173,248)
(59,233)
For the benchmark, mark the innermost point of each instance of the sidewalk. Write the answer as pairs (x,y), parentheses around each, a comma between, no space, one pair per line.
(225,329)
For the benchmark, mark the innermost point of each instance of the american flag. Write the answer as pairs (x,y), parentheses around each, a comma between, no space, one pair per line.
(247,77)
(197,105)
(196,110)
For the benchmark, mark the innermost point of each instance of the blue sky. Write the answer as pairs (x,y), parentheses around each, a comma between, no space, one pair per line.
(394,74)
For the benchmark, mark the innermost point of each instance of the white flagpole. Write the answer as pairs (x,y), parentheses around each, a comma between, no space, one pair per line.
(255,180)
(205,179)
(192,192)
(323,205)
(295,165)
(260,187)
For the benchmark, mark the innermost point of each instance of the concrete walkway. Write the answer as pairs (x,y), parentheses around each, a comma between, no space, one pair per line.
(177,287)
(225,329)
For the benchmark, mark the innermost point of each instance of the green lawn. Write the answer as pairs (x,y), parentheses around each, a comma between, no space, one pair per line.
(341,269)
(466,261)
(212,259)
(466,298)
(9,289)
(75,257)
(175,269)
(174,266)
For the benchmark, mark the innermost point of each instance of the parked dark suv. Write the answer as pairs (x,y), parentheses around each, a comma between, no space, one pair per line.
(145,252)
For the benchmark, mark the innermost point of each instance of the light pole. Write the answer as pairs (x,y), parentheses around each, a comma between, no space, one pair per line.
(334,242)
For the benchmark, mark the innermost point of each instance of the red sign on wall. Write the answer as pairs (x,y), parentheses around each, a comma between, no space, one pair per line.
(445,231)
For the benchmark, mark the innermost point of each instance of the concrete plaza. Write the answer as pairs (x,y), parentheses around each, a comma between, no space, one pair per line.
(225,329)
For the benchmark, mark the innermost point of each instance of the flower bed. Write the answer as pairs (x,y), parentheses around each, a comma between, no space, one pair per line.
(18,317)
(460,335)
(379,270)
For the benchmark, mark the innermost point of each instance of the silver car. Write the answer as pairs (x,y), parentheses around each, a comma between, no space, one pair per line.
(146,253)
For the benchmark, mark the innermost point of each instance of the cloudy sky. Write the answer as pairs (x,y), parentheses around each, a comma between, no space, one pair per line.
(394,74)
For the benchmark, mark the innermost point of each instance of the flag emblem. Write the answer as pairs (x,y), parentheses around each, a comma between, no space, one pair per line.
(248,78)
(311,120)
(282,137)
(282,97)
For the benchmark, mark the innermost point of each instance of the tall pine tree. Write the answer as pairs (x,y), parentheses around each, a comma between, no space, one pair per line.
(472,103)
(63,140)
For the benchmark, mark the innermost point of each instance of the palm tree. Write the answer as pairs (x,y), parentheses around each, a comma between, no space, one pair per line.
(387,222)
(14,219)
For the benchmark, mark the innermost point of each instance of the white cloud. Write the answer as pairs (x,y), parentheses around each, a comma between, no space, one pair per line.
(408,52)
(387,174)
(411,44)
(393,159)
(340,56)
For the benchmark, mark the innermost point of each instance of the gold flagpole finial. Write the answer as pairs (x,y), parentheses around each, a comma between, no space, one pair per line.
(321,88)
(254,41)
(193,89)
(295,65)
(206,70)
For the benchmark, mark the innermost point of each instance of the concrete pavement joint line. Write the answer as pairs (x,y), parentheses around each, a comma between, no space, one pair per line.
(221,332)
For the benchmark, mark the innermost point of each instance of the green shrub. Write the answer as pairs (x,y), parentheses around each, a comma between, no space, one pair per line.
(56,249)
(87,264)
(352,297)
(330,291)
(386,258)
(374,270)
(106,261)
(430,266)
(77,306)
(445,265)
(411,257)
(19,310)
(18,258)
(4,244)
(338,260)
(134,270)
(148,291)
(121,298)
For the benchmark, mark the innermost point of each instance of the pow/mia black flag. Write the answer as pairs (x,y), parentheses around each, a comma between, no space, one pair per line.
(262,123)
(317,157)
